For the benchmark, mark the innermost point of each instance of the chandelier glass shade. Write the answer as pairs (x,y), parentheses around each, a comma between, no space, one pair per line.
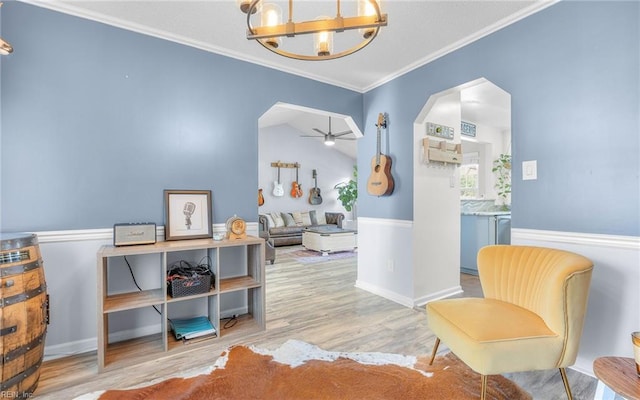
(274,34)
(5,48)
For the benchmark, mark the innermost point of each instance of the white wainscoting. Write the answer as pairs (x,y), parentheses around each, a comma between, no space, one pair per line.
(614,299)
(386,265)
(69,259)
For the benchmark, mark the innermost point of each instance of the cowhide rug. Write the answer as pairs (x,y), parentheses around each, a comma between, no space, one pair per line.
(298,370)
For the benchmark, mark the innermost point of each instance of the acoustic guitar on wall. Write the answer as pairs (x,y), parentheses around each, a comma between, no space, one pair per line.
(380,181)
(278,189)
(314,194)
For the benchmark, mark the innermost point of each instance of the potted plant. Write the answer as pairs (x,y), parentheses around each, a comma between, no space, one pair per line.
(348,191)
(502,169)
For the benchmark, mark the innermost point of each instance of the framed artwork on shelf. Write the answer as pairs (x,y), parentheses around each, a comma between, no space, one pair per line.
(187,214)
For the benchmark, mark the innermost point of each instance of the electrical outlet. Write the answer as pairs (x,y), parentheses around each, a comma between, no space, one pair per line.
(391,267)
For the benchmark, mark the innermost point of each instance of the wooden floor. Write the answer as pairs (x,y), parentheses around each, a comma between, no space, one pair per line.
(317,303)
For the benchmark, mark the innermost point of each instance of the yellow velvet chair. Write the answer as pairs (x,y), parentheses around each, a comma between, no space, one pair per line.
(530,318)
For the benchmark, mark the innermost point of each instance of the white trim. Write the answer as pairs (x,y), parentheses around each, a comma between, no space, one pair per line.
(443,294)
(387,294)
(107,233)
(161,34)
(399,223)
(583,239)
(503,23)
(70,348)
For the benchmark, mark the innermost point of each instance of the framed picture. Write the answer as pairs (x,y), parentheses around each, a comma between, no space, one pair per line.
(187,214)
(467,129)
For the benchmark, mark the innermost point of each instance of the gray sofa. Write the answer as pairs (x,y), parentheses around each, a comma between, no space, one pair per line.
(288,229)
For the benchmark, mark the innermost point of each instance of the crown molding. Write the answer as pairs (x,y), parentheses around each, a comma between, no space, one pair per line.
(69,9)
(524,13)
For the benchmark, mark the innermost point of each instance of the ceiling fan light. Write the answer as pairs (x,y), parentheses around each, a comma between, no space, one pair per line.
(329,140)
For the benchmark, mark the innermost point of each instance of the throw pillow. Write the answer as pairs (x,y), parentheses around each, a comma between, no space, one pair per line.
(297,216)
(312,216)
(288,219)
(306,218)
(271,223)
(277,219)
(321,219)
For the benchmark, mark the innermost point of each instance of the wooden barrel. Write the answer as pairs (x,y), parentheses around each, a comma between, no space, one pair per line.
(23,314)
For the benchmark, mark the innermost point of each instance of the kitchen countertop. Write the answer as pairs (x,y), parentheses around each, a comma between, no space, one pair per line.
(486,213)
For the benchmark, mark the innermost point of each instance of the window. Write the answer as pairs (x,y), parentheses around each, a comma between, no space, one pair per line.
(469,176)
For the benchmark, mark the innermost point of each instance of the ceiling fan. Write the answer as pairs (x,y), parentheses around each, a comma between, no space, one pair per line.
(329,137)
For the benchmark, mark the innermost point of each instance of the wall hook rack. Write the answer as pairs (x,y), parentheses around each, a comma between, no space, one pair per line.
(442,151)
(279,164)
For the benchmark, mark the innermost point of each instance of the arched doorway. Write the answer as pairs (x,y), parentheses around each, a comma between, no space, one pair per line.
(437,192)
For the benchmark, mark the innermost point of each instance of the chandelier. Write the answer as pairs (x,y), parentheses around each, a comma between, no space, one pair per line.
(271,31)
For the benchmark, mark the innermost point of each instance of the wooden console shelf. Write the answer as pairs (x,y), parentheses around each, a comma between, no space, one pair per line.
(238,268)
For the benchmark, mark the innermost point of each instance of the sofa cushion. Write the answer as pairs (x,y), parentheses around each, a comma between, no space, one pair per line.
(277,219)
(297,216)
(320,219)
(288,219)
(271,223)
(306,218)
(286,231)
(302,218)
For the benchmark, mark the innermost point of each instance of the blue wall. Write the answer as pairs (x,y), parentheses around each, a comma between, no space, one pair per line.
(573,74)
(98,121)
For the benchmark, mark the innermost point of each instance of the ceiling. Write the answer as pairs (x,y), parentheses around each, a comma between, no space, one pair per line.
(418,32)
(305,119)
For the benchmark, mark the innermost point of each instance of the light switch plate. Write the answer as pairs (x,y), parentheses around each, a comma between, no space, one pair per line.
(529,170)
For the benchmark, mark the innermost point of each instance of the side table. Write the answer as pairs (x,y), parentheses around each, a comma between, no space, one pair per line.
(619,374)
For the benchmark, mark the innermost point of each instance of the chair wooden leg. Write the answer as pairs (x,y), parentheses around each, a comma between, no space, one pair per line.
(567,388)
(435,350)
(483,388)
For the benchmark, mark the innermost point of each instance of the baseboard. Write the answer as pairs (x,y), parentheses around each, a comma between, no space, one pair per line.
(387,294)
(406,301)
(443,294)
(87,345)
(70,348)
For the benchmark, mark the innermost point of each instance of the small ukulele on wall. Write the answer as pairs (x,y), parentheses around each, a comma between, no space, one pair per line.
(260,198)
(380,181)
(296,188)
